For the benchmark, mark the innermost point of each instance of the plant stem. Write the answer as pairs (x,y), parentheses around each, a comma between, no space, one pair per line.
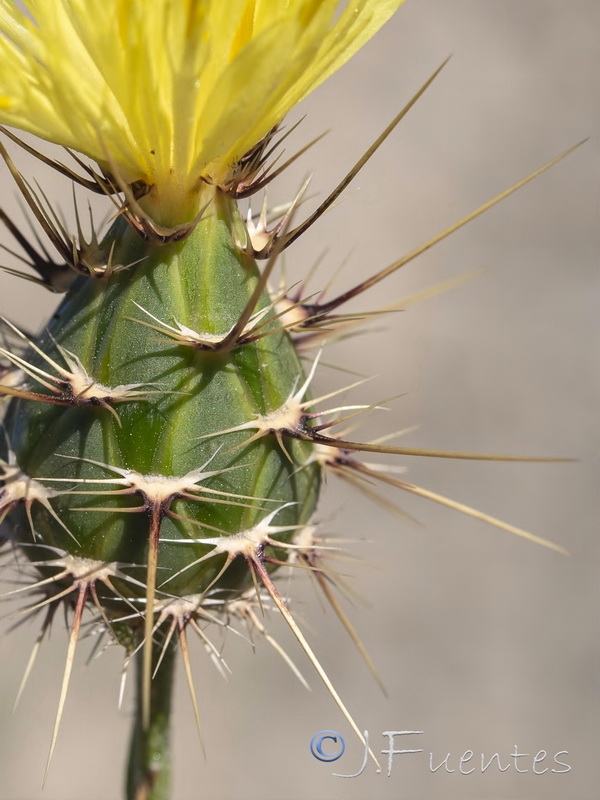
(149,769)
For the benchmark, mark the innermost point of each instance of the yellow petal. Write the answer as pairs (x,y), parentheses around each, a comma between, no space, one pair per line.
(169,92)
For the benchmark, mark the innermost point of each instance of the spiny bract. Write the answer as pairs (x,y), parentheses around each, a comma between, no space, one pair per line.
(163,449)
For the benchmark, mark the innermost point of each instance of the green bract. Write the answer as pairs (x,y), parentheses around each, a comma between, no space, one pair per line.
(167,427)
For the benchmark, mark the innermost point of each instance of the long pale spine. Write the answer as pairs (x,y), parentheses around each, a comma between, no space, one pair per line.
(149,767)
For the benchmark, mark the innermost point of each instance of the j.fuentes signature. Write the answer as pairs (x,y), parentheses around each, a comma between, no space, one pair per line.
(329,746)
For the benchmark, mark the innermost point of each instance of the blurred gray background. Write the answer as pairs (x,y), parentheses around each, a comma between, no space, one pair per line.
(484,641)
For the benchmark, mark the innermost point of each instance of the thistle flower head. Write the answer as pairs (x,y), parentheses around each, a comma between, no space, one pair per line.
(173,99)
(162,451)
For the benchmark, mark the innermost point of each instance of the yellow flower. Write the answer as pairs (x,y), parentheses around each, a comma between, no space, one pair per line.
(171,93)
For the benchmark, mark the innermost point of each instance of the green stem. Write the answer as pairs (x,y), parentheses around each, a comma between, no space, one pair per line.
(149,770)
